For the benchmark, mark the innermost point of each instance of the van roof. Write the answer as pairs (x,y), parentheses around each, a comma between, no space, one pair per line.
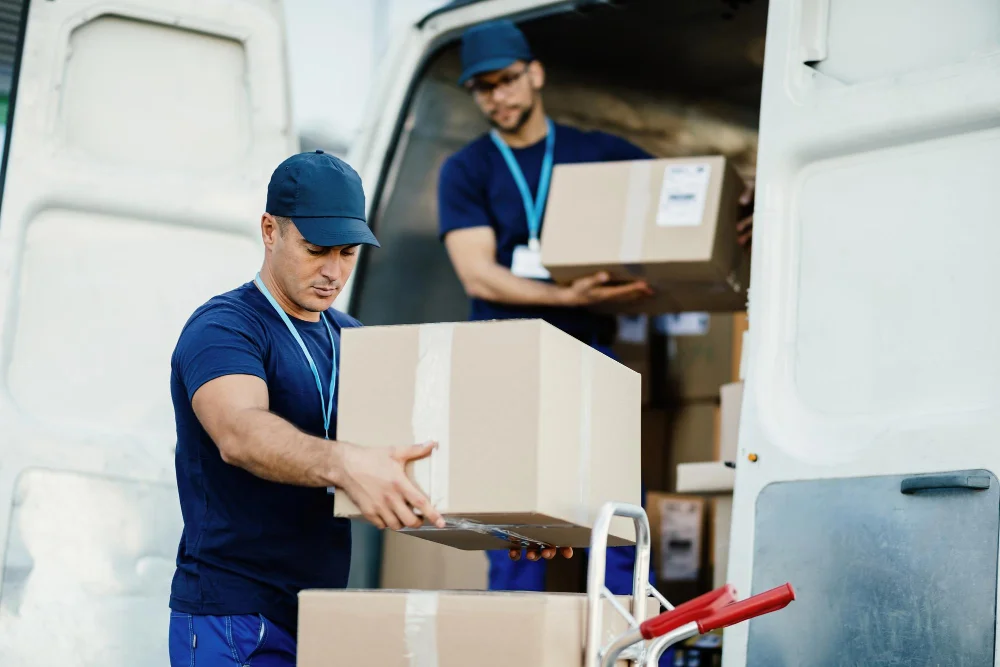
(454,4)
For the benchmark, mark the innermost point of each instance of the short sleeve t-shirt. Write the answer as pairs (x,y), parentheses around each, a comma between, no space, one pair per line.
(250,545)
(476,189)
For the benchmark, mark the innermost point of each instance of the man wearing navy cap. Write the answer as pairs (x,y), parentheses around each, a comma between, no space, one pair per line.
(491,201)
(254,388)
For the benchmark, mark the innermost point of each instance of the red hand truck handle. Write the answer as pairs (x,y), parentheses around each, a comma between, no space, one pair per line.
(762,603)
(692,610)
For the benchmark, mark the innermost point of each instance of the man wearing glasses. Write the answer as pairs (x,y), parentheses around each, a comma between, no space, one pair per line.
(491,200)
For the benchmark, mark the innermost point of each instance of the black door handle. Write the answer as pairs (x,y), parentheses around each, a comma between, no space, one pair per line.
(955,480)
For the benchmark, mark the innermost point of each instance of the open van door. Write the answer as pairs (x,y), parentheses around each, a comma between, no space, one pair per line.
(872,366)
(140,140)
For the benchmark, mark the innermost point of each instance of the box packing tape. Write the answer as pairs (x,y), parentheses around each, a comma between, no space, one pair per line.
(431,419)
(431,416)
(421,628)
(636,214)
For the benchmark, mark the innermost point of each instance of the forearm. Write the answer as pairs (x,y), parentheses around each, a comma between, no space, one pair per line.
(269,447)
(496,283)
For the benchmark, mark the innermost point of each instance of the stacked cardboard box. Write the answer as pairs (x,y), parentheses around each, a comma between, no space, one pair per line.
(535,430)
(409,563)
(447,629)
(704,354)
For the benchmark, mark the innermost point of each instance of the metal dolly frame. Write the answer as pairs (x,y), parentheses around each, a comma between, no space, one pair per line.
(647,640)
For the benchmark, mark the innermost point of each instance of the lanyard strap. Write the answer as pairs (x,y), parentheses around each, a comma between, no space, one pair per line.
(326,407)
(532,210)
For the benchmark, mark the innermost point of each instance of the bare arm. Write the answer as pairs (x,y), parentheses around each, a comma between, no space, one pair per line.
(233,409)
(473,254)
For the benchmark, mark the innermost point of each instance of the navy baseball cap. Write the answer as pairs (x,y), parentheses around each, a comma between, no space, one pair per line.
(323,196)
(491,46)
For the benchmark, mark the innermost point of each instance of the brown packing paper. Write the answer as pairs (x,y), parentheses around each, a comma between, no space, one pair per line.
(447,629)
(612,217)
(536,430)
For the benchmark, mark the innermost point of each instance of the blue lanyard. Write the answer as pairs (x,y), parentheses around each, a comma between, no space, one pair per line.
(326,407)
(533,210)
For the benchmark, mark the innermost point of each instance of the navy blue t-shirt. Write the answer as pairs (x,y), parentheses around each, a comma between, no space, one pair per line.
(476,189)
(250,545)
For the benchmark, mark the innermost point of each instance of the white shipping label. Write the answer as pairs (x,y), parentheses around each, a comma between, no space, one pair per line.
(632,329)
(684,324)
(527,263)
(682,197)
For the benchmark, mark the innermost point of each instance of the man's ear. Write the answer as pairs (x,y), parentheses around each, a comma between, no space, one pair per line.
(269,229)
(536,74)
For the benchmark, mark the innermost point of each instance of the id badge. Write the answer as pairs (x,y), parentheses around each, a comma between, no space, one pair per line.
(527,263)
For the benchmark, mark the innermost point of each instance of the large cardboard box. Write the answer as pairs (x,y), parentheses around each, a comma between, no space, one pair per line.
(692,435)
(402,629)
(414,564)
(699,353)
(655,449)
(632,349)
(671,222)
(536,430)
(677,525)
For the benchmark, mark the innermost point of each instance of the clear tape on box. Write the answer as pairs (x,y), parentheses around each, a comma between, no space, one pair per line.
(431,416)
(421,629)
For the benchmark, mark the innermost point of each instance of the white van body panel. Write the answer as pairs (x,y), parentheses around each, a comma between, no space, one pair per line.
(144,134)
(873,317)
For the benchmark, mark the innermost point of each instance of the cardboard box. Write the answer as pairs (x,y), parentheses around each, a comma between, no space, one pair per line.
(692,436)
(536,430)
(671,222)
(677,525)
(699,353)
(740,326)
(705,477)
(414,564)
(731,397)
(722,516)
(655,449)
(402,629)
(632,349)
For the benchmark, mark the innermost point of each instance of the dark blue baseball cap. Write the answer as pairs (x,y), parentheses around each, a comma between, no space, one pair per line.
(491,46)
(323,196)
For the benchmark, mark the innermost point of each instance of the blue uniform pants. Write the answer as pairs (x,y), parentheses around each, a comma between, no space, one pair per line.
(229,641)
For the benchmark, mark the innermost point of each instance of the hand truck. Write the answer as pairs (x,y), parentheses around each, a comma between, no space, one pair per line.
(647,640)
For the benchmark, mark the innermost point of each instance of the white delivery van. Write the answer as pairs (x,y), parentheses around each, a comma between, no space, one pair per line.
(141,138)
(872,372)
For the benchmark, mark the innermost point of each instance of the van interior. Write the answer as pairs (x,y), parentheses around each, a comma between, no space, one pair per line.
(677,77)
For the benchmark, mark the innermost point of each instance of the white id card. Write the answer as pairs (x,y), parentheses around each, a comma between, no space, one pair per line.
(527,263)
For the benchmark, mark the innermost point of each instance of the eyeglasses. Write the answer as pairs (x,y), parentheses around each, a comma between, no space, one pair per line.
(482,88)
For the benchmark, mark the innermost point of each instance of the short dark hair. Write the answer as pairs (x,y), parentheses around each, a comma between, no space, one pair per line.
(283,223)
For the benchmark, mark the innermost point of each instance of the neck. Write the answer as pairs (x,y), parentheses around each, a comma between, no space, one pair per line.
(286,304)
(535,128)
